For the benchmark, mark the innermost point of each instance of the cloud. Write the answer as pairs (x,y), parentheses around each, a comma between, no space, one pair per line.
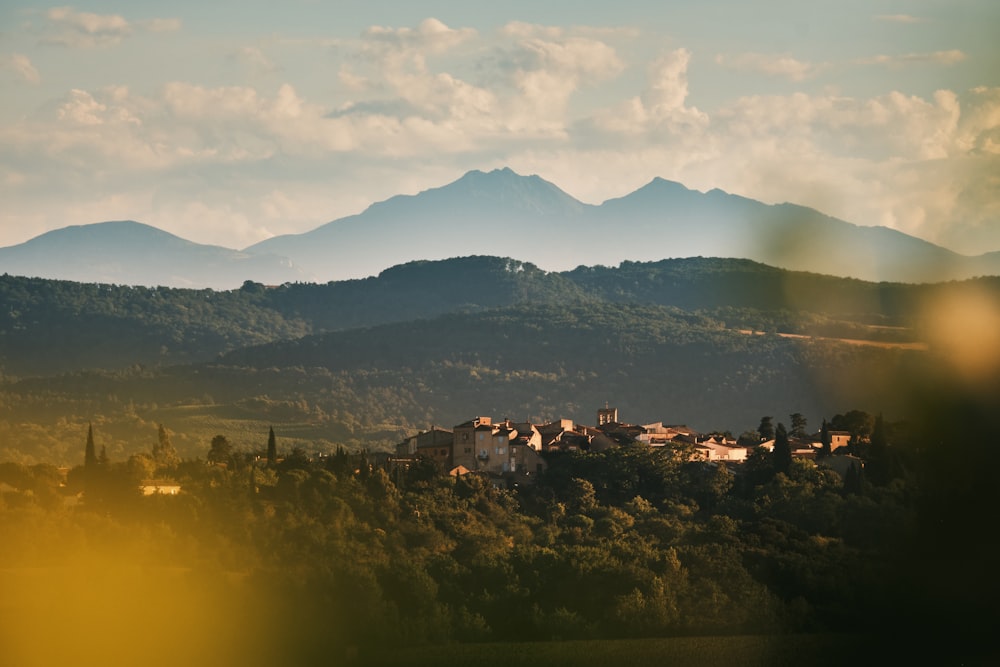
(659,113)
(85,30)
(431,35)
(950,57)
(899,18)
(160,25)
(782,65)
(538,69)
(515,84)
(570,104)
(548,72)
(254,59)
(395,62)
(21,66)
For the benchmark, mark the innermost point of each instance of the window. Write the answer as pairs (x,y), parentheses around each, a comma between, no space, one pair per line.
(468,450)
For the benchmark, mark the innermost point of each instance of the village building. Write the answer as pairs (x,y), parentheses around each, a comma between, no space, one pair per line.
(513,452)
(719,448)
(839,439)
(162,487)
(435,444)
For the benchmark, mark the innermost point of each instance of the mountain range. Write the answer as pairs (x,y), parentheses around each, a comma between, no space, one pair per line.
(506,214)
(132,253)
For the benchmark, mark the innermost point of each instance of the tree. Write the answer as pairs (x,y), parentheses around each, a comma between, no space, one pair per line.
(340,463)
(90,454)
(297,460)
(221,450)
(856,422)
(854,479)
(766,429)
(782,455)
(164,453)
(272,448)
(798,425)
(878,464)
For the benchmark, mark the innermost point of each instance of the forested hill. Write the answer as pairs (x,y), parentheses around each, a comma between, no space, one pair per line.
(49,327)
(546,362)
(370,387)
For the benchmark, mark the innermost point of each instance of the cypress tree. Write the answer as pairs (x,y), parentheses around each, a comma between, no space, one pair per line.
(825,440)
(782,450)
(272,448)
(878,465)
(90,454)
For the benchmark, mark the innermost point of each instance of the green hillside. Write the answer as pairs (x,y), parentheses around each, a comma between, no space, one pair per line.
(712,343)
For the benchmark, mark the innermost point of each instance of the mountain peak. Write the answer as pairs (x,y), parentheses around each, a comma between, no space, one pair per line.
(112,233)
(507,188)
(130,252)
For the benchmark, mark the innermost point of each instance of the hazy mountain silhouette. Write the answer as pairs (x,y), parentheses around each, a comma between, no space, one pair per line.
(502,213)
(496,213)
(526,217)
(132,253)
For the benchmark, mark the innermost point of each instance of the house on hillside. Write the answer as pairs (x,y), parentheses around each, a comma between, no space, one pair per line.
(161,487)
(657,434)
(621,434)
(719,448)
(561,436)
(437,444)
(839,439)
(499,449)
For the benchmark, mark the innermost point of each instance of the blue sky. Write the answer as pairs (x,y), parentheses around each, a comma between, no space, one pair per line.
(228,122)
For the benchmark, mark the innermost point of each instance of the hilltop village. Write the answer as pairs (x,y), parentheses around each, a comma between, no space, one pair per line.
(511,453)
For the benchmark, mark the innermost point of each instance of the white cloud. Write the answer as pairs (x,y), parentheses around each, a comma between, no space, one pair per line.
(85,30)
(161,25)
(516,83)
(950,57)
(431,35)
(21,66)
(254,59)
(660,113)
(231,164)
(544,67)
(782,65)
(395,61)
(668,88)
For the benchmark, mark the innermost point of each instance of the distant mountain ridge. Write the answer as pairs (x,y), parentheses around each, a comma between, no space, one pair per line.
(52,326)
(132,253)
(502,213)
(527,217)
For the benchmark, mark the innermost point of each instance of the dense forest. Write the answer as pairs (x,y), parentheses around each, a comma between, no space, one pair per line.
(321,556)
(49,326)
(338,560)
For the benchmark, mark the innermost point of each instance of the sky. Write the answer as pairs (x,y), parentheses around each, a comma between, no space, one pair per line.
(231,122)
